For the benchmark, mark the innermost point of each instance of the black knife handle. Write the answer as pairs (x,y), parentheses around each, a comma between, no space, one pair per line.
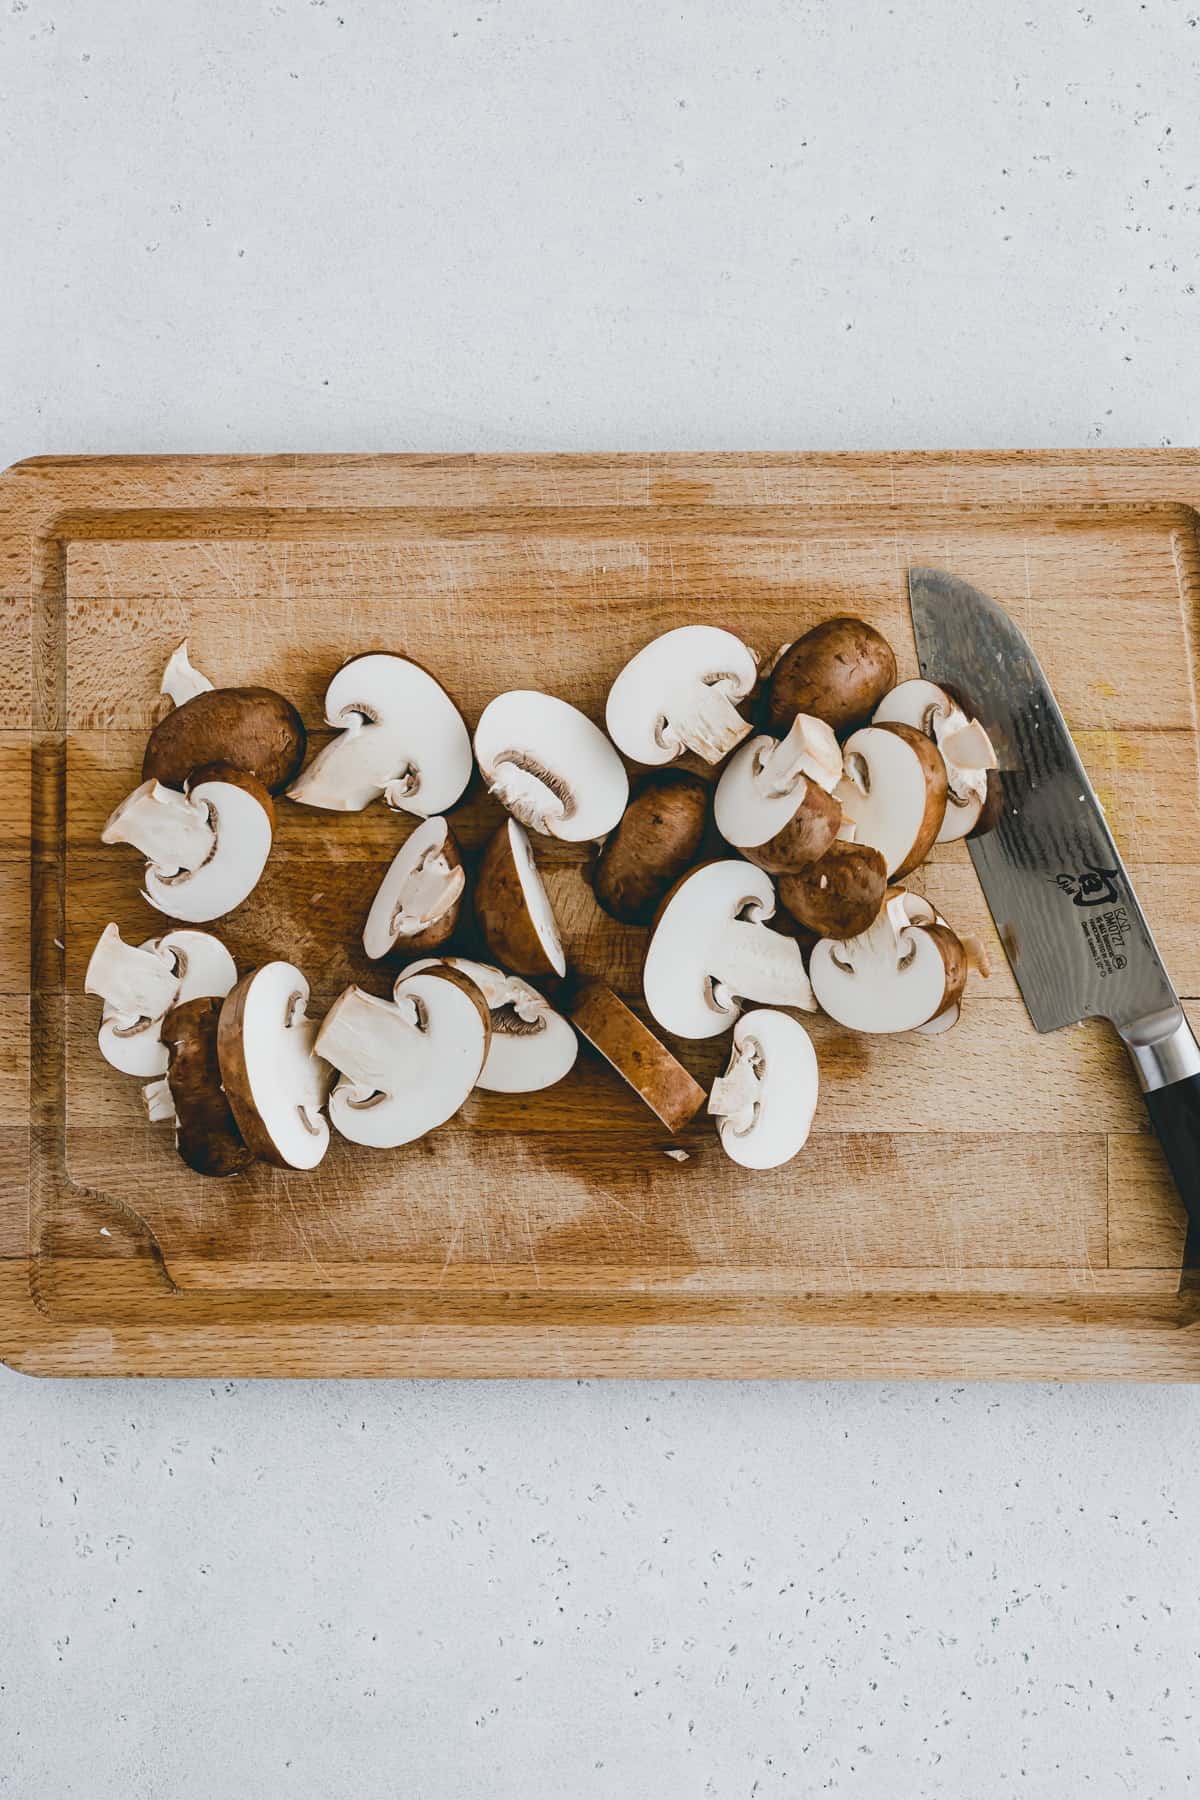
(1175,1115)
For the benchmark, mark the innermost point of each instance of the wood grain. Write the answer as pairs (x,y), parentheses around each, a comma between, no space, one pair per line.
(985,1205)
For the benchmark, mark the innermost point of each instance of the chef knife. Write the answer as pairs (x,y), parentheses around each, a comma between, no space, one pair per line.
(1063,903)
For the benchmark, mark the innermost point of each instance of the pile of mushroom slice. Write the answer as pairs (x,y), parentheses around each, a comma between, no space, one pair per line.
(828,780)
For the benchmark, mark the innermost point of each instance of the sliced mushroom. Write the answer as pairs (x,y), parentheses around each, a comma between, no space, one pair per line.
(657,841)
(711,950)
(907,969)
(419,898)
(973,783)
(400,736)
(406,1064)
(894,789)
(206,1135)
(840,896)
(205,849)
(680,693)
(251,729)
(277,1084)
(839,671)
(550,766)
(180,681)
(765,1101)
(512,907)
(770,809)
(140,985)
(637,1055)
(532,1046)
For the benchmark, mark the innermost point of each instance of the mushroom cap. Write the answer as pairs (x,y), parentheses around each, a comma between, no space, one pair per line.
(679,692)
(240,815)
(401,736)
(532,1046)
(550,766)
(894,790)
(780,831)
(512,906)
(711,950)
(206,1134)
(839,671)
(973,797)
(418,901)
(659,1078)
(276,1083)
(765,1101)
(839,896)
(657,841)
(195,965)
(407,1064)
(902,972)
(253,729)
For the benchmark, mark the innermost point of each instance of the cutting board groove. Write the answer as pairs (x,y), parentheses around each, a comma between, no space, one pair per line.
(987,1206)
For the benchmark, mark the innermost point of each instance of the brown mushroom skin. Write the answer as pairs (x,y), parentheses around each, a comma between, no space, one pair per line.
(657,840)
(207,1138)
(937,793)
(839,671)
(841,895)
(253,729)
(993,806)
(602,1017)
(501,913)
(808,834)
(955,959)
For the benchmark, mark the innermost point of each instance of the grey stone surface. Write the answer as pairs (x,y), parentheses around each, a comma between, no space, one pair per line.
(358,226)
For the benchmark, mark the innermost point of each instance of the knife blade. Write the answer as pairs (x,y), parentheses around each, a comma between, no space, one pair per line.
(1064,906)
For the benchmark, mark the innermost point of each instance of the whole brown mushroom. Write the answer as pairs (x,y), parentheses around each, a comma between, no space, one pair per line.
(657,840)
(253,729)
(839,671)
(839,896)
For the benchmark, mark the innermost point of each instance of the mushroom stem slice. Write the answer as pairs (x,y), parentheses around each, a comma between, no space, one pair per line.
(181,682)
(160,1107)
(764,1102)
(173,831)
(135,984)
(810,751)
(526,793)
(637,1055)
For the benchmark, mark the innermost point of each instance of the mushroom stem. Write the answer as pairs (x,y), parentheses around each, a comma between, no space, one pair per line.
(136,984)
(375,1045)
(752,962)
(428,894)
(809,751)
(527,795)
(159,1102)
(172,831)
(181,682)
(734,1096)
(705,721)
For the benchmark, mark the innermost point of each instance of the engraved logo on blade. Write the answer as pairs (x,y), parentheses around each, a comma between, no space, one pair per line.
(1104,932)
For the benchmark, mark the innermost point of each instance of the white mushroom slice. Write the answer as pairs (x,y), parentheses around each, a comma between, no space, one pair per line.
(765,1100)
(139,986)
(421,889)
(406,1064)
(180,681)
(206,849)
(679,693)
(773,812)
(711,951)
(550,766)
(966,750)
(894,789)
(903,972)
(276,1083)
(401,736)
(532,1046)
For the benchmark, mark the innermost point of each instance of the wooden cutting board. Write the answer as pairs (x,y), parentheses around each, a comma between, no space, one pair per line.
(988,1204)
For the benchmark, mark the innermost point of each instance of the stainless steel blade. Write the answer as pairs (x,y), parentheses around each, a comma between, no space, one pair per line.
(1062,900)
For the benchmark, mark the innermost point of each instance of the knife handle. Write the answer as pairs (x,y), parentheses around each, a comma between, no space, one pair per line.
(1169,1071)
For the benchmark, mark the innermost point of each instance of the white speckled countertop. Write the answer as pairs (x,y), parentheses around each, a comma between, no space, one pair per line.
(328,224)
